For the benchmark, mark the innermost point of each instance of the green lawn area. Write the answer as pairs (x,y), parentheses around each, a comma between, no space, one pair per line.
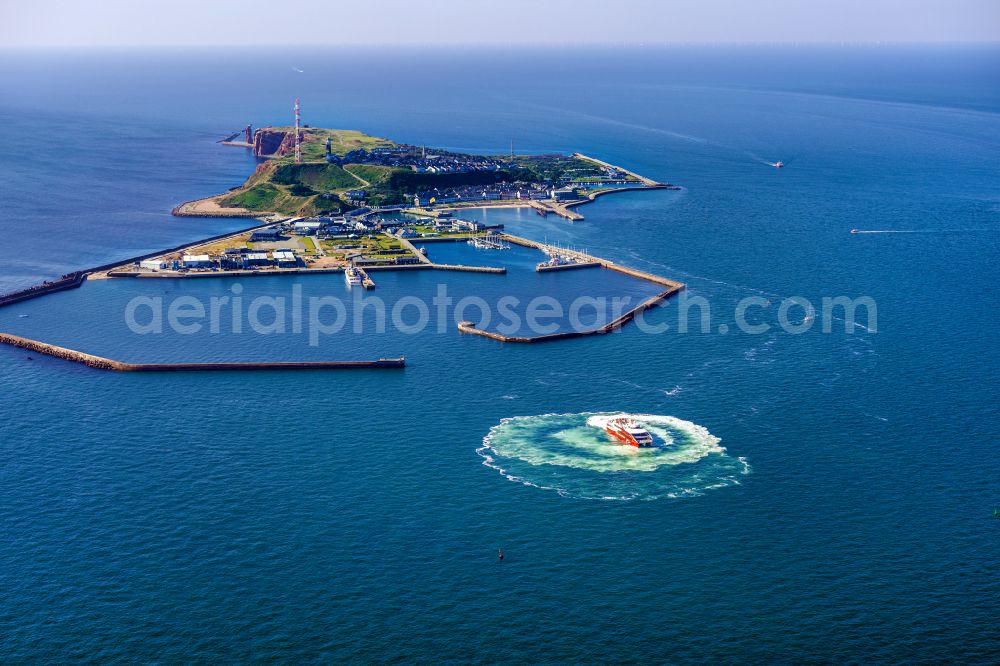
(387,242)
(314,186)
(320,177)
(261,197)
(342,141)
(373,173)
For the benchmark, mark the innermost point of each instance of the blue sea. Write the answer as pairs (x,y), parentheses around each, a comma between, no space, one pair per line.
(819,496)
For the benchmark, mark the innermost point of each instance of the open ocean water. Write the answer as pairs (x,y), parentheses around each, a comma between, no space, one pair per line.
(822,497)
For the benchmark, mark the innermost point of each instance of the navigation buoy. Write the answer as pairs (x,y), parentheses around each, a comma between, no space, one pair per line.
(499,554)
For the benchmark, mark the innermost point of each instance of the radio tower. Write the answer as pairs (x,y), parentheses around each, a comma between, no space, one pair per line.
(298,152)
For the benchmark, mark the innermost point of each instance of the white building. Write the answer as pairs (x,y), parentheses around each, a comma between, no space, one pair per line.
(196,261)
(152,264)
(307,227)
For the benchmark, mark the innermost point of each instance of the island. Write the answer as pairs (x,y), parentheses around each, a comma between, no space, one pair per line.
(338,171)
(332,200)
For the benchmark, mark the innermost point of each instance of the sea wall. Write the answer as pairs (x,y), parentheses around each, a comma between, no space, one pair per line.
(102,363)
(470,327)
(606,263)
(68,281)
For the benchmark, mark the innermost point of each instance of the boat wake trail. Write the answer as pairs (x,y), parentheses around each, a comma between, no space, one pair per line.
(921,231)
(572,455)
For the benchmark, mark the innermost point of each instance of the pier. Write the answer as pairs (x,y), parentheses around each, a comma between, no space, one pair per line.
(672,287)
(102,363)
(562,210)
(470,269)
(489,242)
(610,327)
(366,281)
(648,182)
(69,281)
(565,267)
(405,242)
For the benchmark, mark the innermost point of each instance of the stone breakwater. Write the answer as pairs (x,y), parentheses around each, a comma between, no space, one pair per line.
(470,327)
(102,363)
(672,288)
(68,281)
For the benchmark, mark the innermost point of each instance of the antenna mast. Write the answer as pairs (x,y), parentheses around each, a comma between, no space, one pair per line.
(298,152)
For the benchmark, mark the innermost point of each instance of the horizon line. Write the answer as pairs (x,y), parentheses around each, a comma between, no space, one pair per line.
(436,45)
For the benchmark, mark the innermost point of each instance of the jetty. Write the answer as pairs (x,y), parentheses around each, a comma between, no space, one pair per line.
(562,210)
(470,327)
(470,269)
(489,242)
(672,287)
(366,281)
(102,363)
(648,182)
(68,281)
(547,268)
(587,258)
(405,242)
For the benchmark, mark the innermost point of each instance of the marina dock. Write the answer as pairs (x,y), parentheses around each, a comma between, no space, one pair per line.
(366,281)
(565,267)
(586,258)
(546,207)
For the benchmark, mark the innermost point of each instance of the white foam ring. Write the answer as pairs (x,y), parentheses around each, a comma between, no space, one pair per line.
(572,455)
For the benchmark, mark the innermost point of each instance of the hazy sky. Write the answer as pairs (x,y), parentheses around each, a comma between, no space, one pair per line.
(307,22)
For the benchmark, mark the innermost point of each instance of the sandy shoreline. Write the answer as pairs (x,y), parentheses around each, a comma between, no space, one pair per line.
(209,207)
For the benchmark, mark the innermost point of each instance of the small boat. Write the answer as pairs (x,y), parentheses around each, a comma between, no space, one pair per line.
(855,231)
(488,242)
(778,164)
(555,259)
(629,432)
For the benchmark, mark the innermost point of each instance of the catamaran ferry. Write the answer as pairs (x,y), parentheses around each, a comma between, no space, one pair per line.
(629,432)
(352,276)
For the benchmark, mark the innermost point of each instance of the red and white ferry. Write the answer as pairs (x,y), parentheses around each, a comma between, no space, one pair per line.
(629,432)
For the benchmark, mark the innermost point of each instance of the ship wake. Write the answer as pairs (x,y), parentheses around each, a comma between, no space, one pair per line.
(572,455)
